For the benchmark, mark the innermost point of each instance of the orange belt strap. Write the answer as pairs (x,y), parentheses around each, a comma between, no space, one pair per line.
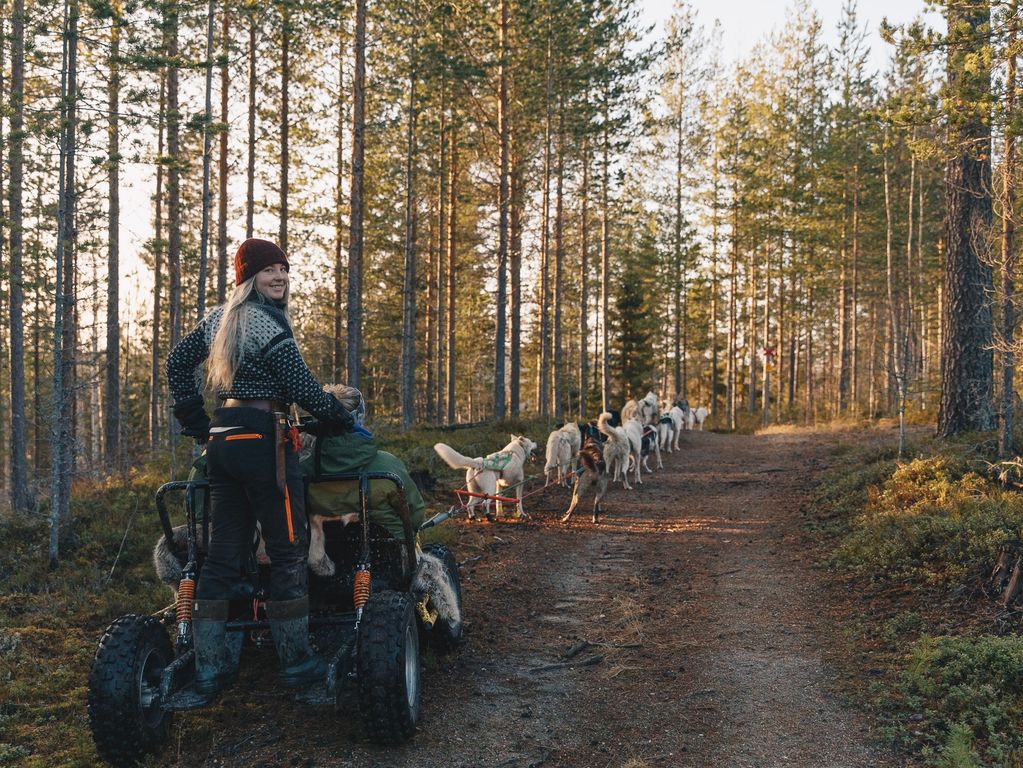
(287,512)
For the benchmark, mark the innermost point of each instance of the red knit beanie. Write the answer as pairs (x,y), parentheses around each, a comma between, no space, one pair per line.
(255,255)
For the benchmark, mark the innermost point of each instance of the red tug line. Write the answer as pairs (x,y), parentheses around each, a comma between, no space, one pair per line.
(460,492)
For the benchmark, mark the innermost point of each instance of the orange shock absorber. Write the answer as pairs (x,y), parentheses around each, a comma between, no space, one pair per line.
(361,592)
(186,595)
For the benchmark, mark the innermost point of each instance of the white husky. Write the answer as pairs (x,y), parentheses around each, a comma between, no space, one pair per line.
(645,410)
(634,430)
(666,429)
(617,452)
(700,416)
(488,474)
(678,418)
(562,446)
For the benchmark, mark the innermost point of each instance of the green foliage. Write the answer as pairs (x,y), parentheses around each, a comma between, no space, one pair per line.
(969,691)
(933,518)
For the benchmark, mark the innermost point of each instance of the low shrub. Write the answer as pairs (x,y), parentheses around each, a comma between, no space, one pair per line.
(967,696)
(933,518)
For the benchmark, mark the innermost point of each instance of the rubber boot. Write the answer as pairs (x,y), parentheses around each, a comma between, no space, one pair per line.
(215,663)
(289,625)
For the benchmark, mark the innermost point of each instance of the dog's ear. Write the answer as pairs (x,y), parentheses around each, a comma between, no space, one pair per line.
(514,436)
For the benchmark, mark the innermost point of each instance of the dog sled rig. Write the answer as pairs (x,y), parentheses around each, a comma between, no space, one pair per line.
(463,494)
(368,620)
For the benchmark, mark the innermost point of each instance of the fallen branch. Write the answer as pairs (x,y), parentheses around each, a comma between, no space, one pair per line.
(576,649)
(124,538)
(587,662)
(470,560)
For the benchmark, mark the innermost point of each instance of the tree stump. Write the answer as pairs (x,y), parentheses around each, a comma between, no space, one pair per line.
(1007,576)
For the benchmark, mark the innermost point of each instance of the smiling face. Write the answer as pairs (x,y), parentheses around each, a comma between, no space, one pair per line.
(272,282)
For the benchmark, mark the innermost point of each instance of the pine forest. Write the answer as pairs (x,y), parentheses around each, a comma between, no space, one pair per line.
(559,208)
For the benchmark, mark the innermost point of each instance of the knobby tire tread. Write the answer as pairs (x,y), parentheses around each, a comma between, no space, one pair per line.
(120,732)
(384,707)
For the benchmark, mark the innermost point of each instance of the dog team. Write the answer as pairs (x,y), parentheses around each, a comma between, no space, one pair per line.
(613,447)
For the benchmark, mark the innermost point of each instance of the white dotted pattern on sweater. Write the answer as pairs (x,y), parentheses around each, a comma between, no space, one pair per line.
(272,367)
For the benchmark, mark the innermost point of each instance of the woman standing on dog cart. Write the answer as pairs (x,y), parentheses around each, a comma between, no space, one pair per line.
(256,372)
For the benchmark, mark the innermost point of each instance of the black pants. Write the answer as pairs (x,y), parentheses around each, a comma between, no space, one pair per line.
(241,463)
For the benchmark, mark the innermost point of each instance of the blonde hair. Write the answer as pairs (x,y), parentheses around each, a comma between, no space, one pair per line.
(228,347)
(349,397)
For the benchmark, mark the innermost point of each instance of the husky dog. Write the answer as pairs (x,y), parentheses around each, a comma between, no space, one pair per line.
(594,470)
(170,560)
(645,410)
(562,445)
(432,579)
(678,418)
(490,473)
(617,452)
(665,432)
(650,444)
(700,416)
(633,430)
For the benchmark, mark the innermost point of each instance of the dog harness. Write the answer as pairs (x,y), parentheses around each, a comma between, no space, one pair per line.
(497,462)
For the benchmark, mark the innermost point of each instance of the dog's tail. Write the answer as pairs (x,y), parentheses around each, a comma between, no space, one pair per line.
(455,460)
(602,424)
(552,451)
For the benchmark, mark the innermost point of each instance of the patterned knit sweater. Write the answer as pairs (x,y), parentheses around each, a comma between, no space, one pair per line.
(272,368)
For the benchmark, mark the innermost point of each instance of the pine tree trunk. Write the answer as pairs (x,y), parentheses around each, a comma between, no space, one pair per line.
(225,82)
(1006,443)
(605,263)
(442,259)
(855,308)
(355,256)
(677,278)
(156,381)
(714,290)
(4,473)
(733,268)
(63,303)
(584,273)
(559,261)
(431,323)
(543,364)
(811,407)
(408,314)
(967,366)
(339,221)
(895,371)
(21,497)
(766,402)
(751,404)
(515,278)
(503,202)
(285,125)
(250,174)
(452,262)
(843,315)
(207,152)
(174,165)
(112,404)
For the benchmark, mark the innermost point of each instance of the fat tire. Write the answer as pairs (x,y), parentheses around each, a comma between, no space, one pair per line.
(444,638)
(123,730)
(388,627)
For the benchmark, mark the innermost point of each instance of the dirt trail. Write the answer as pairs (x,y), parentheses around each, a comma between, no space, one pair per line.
(708,630)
